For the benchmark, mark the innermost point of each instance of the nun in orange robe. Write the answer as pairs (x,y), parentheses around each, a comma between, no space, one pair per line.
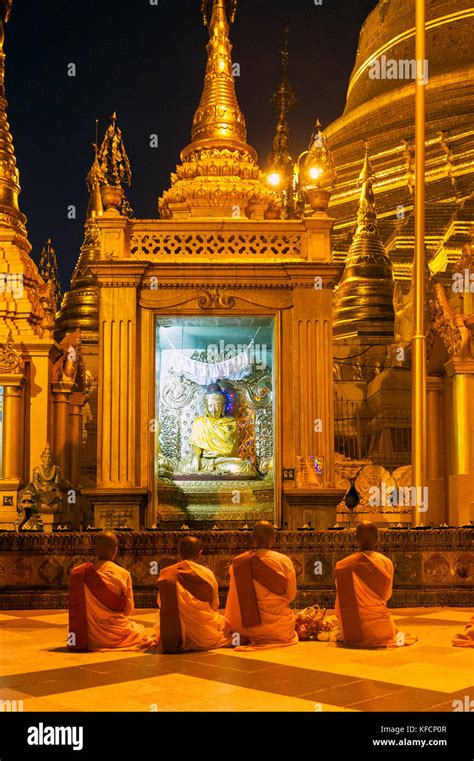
(100,601)
(466,639)
(364,585)
(188,598)
(262,586)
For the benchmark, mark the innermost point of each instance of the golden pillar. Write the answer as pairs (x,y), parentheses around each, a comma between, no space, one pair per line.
(313,378)
(118,376)
(436,452)
(13,427)
(61,395)
(460,380)
(76,402)
(419,341)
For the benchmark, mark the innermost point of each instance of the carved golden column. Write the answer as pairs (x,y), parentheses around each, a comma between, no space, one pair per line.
(460,425)
(61,395)
(118,374)
(76,402)
(313,379)
(436,453)
(419,339)
(13,427)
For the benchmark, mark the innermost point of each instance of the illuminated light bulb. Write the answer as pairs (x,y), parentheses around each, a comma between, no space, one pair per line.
(315,172)
(274,179)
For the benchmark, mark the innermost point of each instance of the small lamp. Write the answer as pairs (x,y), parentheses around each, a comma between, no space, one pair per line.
(317,175)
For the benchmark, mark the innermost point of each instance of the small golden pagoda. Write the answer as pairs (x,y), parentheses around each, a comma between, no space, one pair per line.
(364,296)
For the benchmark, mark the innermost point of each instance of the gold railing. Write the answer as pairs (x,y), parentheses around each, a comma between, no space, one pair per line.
(159,241)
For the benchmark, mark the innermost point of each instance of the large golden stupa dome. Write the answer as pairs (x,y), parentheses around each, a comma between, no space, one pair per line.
(381,109)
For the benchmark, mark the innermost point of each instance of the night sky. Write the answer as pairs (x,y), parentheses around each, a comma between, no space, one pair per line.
(147,63)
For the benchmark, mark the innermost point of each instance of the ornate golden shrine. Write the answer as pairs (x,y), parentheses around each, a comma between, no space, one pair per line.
(219,253)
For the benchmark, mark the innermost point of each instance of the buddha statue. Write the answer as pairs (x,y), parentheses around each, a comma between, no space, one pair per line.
(46,484)
(214,440)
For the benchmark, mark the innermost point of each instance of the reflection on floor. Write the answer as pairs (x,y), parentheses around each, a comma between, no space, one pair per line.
(428,676)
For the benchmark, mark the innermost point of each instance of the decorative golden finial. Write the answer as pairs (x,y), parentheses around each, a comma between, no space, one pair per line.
(366,213)
(95,179)
(280,170)
(364,310)
(49,271)
(284,97)
(207,7)
(218,119)
(112,157)
(115,170)
(10,214)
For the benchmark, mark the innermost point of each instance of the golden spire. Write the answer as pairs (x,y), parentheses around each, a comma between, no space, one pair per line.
(10,214)
(364,311)
(112,157)
(219,176)
(113,171)
(95,179)
(80,305)
(280,168)
(218,118)
(366,213)
(49,271)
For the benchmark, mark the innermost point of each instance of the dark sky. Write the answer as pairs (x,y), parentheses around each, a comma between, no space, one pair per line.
(147,63)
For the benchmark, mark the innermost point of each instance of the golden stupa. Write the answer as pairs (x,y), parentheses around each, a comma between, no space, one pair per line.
(381,110)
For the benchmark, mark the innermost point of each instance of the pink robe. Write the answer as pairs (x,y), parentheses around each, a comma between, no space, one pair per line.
(259,608)
(364,585)
(188,599)
(100,601)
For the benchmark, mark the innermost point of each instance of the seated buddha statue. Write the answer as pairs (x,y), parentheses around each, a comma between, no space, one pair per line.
(46,484)
(214,440)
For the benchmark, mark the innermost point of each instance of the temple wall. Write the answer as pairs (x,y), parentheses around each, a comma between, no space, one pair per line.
(432,567)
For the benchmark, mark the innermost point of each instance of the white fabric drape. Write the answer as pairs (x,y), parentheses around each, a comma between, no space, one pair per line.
(205,373)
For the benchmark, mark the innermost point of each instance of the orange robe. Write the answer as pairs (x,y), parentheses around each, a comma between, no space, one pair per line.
(466,639)
(188,599)
(364,584)
(100,601)
(262,585)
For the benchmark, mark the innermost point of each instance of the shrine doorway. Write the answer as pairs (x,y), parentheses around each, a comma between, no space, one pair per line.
(215,413)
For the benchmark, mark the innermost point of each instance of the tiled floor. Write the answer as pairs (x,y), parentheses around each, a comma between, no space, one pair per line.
(36,668)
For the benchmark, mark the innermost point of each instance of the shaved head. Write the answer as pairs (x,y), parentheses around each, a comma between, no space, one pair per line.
(263,535)
(190,548)
(367,534)
(106,545)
